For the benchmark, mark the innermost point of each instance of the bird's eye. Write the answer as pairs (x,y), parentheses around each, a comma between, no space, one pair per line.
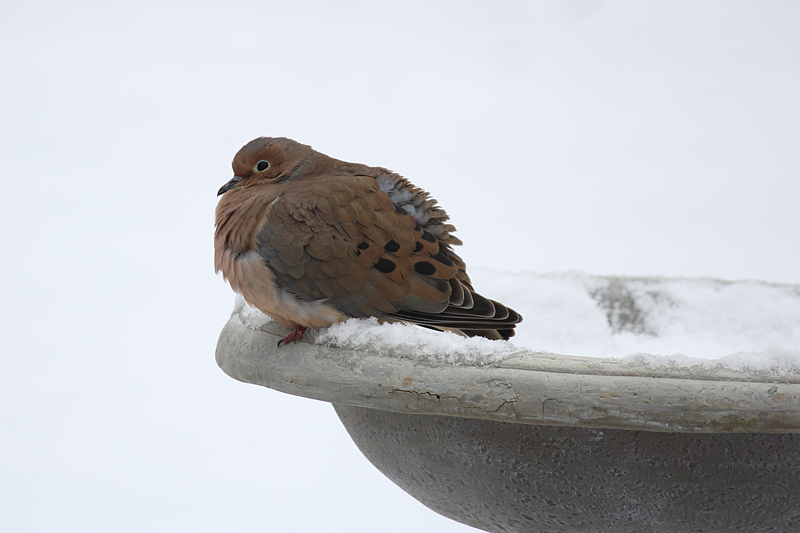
(262,165)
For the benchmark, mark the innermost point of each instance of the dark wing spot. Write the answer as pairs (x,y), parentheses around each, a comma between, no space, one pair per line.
(399,210)
(392,246)
(443,259)
(362,245)
(424,268)
(418,246)
(385,265)
(358,252)
(428,237)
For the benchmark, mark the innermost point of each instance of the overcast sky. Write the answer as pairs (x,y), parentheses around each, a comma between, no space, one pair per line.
(636,138)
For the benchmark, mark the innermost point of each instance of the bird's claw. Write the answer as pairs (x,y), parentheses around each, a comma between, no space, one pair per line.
(294,336)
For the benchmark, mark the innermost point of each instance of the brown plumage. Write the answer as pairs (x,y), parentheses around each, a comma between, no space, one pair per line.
(311,240)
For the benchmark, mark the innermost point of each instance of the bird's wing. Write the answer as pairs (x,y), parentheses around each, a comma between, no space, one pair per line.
(342,239)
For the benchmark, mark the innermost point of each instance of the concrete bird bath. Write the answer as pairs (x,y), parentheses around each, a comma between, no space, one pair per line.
(539,442)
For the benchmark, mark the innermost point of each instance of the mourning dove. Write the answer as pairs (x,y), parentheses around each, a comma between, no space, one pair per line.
(311,240)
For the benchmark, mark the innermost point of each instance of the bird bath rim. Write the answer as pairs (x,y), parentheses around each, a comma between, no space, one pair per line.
(528,387)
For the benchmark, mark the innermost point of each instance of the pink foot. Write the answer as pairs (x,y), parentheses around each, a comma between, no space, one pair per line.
(294,336)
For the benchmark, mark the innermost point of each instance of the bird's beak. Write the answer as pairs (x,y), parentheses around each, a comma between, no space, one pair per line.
(230,185)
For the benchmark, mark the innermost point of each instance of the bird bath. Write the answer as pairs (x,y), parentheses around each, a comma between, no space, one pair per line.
(553,443)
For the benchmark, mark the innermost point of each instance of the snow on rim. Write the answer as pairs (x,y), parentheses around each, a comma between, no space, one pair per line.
(654,322)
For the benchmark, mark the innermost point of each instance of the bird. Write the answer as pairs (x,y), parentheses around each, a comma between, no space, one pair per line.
(311,241)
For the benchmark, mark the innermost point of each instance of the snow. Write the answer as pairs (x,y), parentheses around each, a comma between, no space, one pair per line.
(442,347)
(653,322)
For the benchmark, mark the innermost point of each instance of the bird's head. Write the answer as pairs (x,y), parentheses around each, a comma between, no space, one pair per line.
(269,160)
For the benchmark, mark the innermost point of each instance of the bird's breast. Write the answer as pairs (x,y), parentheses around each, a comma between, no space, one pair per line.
(249,275)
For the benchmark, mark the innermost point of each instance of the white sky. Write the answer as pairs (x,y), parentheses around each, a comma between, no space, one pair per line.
(607,137)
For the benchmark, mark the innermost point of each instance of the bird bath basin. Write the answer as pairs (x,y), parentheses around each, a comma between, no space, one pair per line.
(535,441)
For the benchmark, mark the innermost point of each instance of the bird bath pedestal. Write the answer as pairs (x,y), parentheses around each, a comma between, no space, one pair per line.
(551,443)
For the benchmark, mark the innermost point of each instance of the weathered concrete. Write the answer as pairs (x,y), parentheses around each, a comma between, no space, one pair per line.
(549,443)
(530,388)
(505,477)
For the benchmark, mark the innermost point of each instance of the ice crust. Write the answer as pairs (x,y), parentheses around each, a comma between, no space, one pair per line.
(653,322)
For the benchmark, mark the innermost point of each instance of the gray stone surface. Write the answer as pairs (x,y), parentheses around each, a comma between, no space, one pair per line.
(529,388)
(506,477)
(551,443)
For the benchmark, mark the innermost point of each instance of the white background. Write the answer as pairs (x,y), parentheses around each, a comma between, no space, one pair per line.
(606,137)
